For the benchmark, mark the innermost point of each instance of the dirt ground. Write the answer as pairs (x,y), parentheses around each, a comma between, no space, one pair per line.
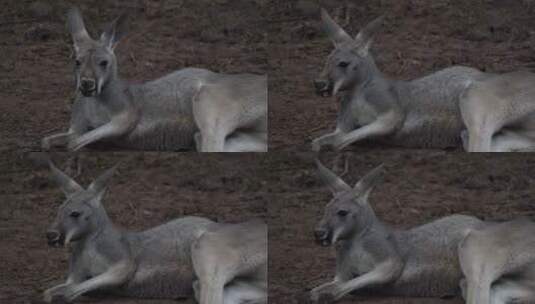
(419,186)
(418,37)
(148,190)
(36,80)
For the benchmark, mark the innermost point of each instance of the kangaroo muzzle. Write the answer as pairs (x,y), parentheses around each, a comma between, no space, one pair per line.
(323,88)
(322,237)
(88,86)
(55,238)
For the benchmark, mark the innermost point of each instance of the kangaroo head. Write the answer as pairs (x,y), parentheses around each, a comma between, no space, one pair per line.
(82,212)
(349,212)
(95,62)
(350,63)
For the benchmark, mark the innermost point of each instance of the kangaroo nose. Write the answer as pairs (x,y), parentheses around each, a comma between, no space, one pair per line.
(52,235)
(320,84)
(320,234)
(88,84)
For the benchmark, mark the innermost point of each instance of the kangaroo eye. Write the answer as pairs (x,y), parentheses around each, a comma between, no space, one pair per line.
(103,63)
(342,213)
(343,64)
(75,214)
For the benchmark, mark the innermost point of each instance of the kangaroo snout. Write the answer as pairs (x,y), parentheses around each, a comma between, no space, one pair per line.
(322,236)
(323,87)
(54,238)
(87,86)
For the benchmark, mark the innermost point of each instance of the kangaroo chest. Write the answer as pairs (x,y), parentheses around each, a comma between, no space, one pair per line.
(92,262)
(94,114)
(354,261)
(363,111)
(354,112)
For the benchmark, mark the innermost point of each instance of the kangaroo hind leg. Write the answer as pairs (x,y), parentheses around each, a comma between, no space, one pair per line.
(511,141)
(214,118)
(212,272)
(242,292)
(246,142)
(510,291)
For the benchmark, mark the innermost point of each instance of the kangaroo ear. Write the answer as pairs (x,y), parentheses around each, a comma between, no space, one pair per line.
(76,27)
(67,184)
(99,185)
(337,34)
(366,184)
(330,179)
(364,38)
(115,31)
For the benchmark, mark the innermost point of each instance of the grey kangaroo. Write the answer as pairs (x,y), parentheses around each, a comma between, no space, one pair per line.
(498,262)
(230,261)
(154,263)
(370,256)
(429,112)
(189,108)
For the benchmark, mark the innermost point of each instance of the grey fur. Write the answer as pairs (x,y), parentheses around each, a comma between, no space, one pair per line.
(499,113)
(421,113)
(154,263)
(422,261)
(230,261)
(186,109)
(498,262)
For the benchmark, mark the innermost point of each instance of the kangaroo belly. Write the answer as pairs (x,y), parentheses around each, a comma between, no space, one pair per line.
(431,259)
(160,281)
(431,103)
(421,130)
(430,278)
(163,135)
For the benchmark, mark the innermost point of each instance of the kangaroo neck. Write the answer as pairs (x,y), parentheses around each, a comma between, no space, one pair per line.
(103,229)
(115,94)
(372,226)
(374,77)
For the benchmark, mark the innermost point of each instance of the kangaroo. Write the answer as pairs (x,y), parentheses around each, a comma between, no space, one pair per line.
(189,108)
(370,256)
(421,113)
(230,262)
(498,262)
(154,263)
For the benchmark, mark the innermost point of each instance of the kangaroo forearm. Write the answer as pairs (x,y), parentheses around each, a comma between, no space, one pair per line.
(115,276)
(326,139)
(382,274)
(382,126)
(56,139)
(112,129)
